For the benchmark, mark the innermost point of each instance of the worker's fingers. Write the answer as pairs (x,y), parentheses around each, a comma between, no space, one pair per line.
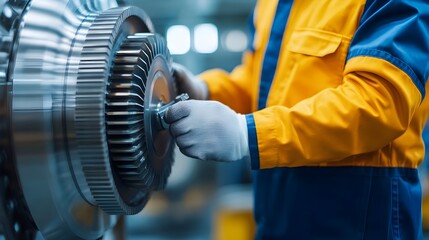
(178,111)
(192,152)
(185,141)
(180,127)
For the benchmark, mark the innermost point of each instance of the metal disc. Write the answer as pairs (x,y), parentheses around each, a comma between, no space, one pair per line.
(141,81)
(63,189)
(160,90)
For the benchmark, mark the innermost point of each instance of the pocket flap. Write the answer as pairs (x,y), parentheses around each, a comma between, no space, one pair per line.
(314,43)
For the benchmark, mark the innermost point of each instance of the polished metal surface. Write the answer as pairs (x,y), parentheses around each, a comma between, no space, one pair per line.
(141,68)
(10,21)
(15,219)
(44,79)
(56,57)
(160,89)
(105,36)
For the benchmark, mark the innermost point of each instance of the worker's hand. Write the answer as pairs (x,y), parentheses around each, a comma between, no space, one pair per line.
(189,83)
(208,130)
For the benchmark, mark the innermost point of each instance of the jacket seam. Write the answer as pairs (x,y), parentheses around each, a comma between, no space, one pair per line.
(376,53)
(395,208)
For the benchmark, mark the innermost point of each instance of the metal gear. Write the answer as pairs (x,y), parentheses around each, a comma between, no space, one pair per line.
(104,37)
(68,165)
(129,113)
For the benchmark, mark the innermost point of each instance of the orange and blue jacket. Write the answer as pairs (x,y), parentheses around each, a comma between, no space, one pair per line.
(333,92)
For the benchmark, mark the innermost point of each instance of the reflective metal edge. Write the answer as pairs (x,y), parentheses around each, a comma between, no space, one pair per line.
(44,65)
(105,36)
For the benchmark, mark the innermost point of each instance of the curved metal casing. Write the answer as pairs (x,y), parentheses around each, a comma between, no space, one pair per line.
(47,67)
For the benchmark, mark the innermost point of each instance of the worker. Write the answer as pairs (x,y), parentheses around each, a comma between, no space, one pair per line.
(326,106)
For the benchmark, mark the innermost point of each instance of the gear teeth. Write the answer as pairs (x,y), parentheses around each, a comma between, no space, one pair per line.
(125,100)
(102,39)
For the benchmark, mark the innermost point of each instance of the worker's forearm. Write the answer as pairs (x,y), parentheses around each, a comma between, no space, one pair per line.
(362,115)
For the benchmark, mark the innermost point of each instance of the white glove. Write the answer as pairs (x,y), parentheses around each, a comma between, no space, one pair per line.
(189,83)
(208,130)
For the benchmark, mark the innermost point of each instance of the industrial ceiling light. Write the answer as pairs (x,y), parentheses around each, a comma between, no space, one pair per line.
(83,84)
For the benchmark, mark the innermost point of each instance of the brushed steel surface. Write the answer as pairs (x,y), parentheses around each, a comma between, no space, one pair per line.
(56,58)
(48,152)
(141,82)
(104,38)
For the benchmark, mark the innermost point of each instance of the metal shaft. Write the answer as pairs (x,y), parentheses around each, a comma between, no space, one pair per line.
(162,110)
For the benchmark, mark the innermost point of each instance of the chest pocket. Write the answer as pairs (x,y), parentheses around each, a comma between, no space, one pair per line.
(317,59)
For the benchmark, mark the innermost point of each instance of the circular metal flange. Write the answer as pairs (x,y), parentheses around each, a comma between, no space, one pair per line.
(141,81)
(44,74)
(104,38)
(63,59)
(15,219)
(160,90)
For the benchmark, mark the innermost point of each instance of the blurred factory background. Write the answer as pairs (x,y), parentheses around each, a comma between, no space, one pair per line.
(203,200)
(201,34)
